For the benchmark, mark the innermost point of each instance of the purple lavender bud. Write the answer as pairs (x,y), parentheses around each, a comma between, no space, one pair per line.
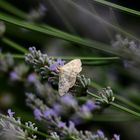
(85,109)
(69,100)
(31,77)
(53,67)
(57,108)
(91,105)
(37,114)
(31,49)
(61,124)
(60,62)
(13,75)
(116,137)
(71,125)
(10,113)
(49,112)
(100,133)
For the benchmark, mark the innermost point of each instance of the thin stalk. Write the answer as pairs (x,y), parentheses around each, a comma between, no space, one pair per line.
(87,58)
(119,7)
(119,98)
(14,45)
(125,109)
(65,36)
(103,21)
(75,57)
(124,100)
(122,108)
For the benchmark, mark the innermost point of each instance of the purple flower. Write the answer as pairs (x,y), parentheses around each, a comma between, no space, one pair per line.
(91,105)
(60,62)
(57,108)
(32,49)
(61,124)
(100,133)
(53,67)
(69,100)
(10,113)
(117,137)
(13,75)
(31,77)
(85,109)
(49,112)
(37,114)
(71,125)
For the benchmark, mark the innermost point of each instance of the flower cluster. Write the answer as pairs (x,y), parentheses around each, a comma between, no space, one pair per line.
(61,115)
(66,106)
(47,67)
(38,13)
(105,96)
(129,48)
(10,128)
(60,129)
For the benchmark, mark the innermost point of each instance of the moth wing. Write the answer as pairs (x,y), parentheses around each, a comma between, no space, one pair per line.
(66,81)
(74,65)
(67,76)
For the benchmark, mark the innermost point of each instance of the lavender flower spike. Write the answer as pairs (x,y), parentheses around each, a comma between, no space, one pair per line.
(10,113)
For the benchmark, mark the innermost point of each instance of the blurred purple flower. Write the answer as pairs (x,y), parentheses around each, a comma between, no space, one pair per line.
(85,109)
(61,124)
(37,114)
(13,75)
(49,112)
(31,77)
(68,100)
(90,105)
(100,133)
(60,62)
(71,125)
(54,66)
(57,108)
(10,113)
(117,137)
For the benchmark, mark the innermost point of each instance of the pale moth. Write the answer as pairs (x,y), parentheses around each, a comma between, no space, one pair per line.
(67,75)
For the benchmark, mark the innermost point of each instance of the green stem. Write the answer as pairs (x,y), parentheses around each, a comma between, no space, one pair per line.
(75,57)
(125,109)
(65,36)
(14,45)
(24,126)
(87,58)
(122,108)
(119,98)
(119,7)
(103,21)
(124,100)
(12,9)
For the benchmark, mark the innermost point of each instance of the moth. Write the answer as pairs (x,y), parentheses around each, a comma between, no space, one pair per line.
(68,74)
